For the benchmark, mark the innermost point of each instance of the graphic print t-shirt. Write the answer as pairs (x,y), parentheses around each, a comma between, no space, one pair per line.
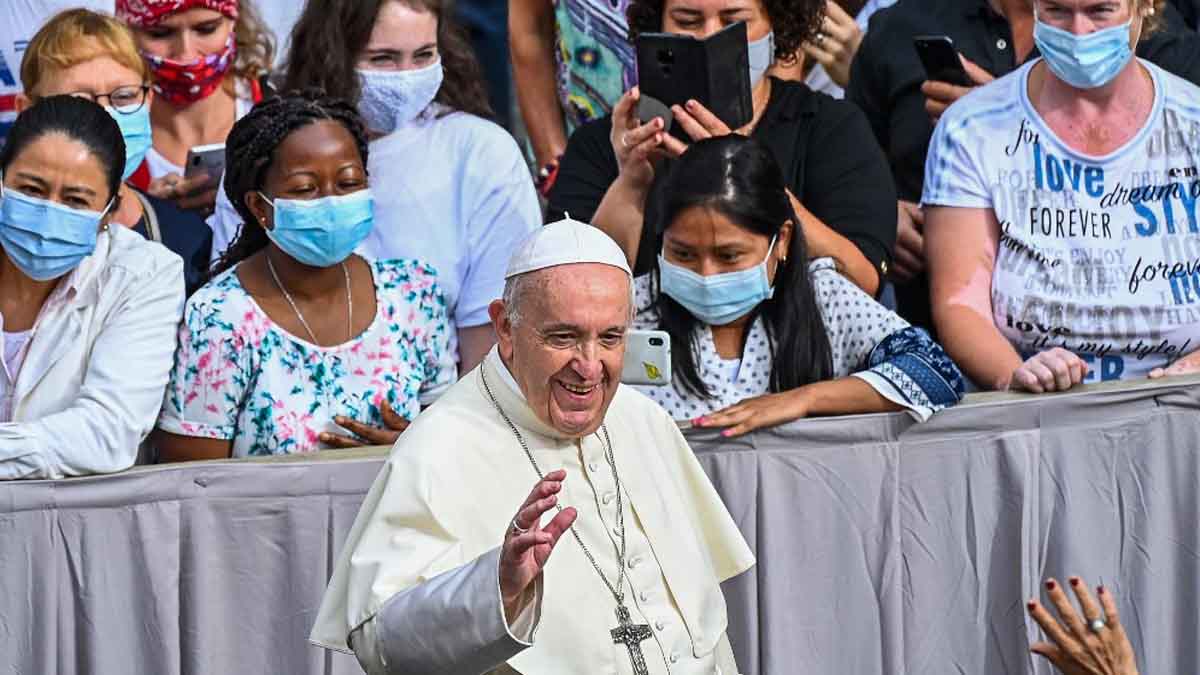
(1100,255)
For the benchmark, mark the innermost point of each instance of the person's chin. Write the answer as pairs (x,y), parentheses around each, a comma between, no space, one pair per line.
(574,414)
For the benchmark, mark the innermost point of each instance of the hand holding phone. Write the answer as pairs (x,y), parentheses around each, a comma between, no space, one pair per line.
(940,60)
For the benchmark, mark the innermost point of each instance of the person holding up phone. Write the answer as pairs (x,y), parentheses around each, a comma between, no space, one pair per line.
(206,58)
(763,334)
(840,184)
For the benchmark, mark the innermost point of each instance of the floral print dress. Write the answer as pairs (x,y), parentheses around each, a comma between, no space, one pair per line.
(240,377)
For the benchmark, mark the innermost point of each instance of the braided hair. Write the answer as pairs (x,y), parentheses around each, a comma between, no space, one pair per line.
(250,151)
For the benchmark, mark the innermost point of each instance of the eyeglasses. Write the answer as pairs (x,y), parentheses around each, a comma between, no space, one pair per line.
(125,100)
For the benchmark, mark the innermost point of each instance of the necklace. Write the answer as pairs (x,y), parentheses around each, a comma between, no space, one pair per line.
(288,296)
(626,633)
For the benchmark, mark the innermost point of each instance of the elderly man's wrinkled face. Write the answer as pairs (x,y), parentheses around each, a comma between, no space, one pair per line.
(567,345)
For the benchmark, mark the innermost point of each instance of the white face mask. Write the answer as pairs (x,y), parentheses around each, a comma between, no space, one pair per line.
(393,98)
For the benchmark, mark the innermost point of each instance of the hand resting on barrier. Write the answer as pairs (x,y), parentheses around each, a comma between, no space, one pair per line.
(1095,644)
(1052,370)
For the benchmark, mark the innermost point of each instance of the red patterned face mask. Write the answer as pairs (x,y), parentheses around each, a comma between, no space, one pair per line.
(182,84)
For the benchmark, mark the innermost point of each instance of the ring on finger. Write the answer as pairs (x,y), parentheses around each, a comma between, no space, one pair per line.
(625,140)
(820,39)
(517,528)
(1097,625)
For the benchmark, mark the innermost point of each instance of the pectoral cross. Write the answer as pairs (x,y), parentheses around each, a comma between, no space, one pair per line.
(632,635)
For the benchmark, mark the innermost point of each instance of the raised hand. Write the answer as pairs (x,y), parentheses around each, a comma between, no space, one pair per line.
(1093,645)
(528,544)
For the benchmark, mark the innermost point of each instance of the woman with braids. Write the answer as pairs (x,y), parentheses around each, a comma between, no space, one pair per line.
(88,308)
(206,59)
(762,335)
(454,189)
(837,177)
(297,341)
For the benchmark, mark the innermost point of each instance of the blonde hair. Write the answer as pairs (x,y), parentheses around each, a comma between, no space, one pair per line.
(77,36)
(255,44)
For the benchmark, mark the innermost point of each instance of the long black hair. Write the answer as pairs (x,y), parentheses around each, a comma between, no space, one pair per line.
(737,177)
(78,119)
(330,34)
(250,151)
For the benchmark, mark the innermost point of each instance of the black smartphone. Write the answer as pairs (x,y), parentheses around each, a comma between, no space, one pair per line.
(714,71)
(940,58)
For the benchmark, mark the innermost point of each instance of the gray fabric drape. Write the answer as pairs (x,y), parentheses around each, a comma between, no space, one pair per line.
(884,547)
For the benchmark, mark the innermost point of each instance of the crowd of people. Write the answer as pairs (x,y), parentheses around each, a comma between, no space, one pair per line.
(871,240)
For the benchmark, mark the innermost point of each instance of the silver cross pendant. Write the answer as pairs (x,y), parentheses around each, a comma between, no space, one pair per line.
(632,635)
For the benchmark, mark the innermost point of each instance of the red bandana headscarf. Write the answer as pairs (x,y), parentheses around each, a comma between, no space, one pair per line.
(148,13)
(182,83)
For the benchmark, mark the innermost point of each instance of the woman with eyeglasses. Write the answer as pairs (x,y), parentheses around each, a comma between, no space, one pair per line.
(88,310)
(82,53)
(207,61)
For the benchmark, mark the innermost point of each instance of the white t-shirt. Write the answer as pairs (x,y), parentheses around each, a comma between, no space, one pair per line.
(453,192)
(1100,255)
(19,21)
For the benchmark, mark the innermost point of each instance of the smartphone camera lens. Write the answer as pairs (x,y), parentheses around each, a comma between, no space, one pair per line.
(656,342)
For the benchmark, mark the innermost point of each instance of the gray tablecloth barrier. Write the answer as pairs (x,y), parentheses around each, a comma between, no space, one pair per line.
(883,546)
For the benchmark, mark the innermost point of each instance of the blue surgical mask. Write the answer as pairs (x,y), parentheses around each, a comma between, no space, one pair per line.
(393,98)
(322,232)
(1084,61)
(45,239)
(718,299)
(762,56)
(135,128)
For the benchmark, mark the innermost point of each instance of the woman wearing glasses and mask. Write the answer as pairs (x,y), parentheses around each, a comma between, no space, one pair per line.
(80,300)
(82,53)
(297,344)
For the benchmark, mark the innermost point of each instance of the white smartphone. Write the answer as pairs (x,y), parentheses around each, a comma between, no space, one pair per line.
(205,160)
(647,358)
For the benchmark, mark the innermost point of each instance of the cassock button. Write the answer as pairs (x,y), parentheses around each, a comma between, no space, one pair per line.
(644,597)
(593,467)
(607,499)
(675,657)
(634,562)
(660,626)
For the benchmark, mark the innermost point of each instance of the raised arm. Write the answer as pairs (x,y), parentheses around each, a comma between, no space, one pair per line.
(531,45)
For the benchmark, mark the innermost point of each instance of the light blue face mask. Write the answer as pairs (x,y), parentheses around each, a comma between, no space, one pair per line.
(45,239)
(1084,61)
(762,56)
(322,232)
(135,128)
(719,299)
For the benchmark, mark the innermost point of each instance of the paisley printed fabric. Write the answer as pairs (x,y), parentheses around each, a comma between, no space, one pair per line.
(146,13)
(238,376)
(596,62)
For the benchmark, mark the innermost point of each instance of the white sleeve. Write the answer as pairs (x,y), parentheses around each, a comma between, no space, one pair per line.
(117,405)
(452,624)
(953,168)
(506,212)
(224,222)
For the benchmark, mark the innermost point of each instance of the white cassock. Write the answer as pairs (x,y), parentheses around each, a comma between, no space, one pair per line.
(417,582)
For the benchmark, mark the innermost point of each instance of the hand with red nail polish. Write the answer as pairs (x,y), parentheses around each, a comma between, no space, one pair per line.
(1094,644)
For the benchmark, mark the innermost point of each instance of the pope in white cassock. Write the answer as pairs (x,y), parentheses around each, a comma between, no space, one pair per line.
(540,451)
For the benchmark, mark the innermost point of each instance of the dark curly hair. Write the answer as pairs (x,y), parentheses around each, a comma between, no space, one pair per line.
(330,33)
(793,21)
(250,151)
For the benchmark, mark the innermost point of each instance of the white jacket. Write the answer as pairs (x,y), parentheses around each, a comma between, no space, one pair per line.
(92,381)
